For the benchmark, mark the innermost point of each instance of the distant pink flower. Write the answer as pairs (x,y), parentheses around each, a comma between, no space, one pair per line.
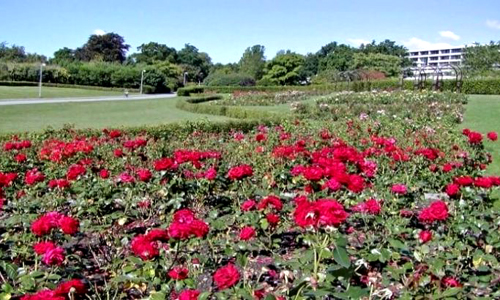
(399,189)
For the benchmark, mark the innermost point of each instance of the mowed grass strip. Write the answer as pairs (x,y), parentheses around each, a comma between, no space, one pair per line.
(483,115)
(24,92)
(36,117)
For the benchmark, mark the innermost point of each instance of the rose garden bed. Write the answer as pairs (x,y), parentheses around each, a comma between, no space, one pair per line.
(373,206)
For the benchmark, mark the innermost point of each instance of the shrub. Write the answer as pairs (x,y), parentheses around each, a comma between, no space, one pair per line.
(187,91)
(234,79)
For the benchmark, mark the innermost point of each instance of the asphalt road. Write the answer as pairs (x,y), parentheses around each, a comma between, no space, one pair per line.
(83,99)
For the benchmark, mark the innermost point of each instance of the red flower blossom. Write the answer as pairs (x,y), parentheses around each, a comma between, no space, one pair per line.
(164,164)
(74,171)
(144,247)
(313,173)
(104,174)
(371,206)
(185,225)
(247,233)
(464,180)
(272,219)
(492,136)
(20,158)
(451,282)
(452,189)
(54,256)
(425,236)
(399,189)
(43,295)
(43,247)
(69,225)
(437,211)
(226,277)
(239,172)
(158,235)
(75,285)
(475,137)
(332,213)
(126,178)
(178,273)
(189,295)
(33,176)
(144,175)
(270,201)
(248,205)
(356,183)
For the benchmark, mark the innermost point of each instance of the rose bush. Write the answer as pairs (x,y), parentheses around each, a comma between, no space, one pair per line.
(380,206)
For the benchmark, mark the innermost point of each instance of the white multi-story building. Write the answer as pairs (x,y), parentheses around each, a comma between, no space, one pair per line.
(441,59)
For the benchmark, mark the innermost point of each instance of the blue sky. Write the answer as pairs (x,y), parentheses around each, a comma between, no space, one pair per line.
(224,28)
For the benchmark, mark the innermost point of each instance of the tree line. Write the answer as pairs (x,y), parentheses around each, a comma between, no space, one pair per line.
(103,61)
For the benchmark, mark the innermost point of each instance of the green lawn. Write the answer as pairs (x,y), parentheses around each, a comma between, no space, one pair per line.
(18,118)
(483,114)
(17,92)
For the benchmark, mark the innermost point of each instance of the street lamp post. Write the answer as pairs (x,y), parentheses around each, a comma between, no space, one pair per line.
(40,83)
(142,79)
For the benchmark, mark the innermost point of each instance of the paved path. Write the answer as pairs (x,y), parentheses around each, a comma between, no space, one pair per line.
(83,99)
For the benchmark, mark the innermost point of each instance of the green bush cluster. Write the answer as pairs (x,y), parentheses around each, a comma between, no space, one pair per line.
(146,88)
(234,79)
(160,79)
(187,91)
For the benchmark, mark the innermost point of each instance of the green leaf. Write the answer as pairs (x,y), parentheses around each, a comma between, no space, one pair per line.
(204,296)
(10,269)
(341,257)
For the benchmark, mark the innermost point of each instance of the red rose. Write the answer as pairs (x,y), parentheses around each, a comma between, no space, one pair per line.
(144,248)
(272,219)
(158,235)
(199,228)
(451,282)
(483,182)
(492,136)
(144,174)
(178,273)
(452,189)
(464,180)
(164,164)
(126,178)
(210,174)
(371,206)
(333,185)
(425,236)
(313,173)
(475,137)
(226,277)
(20,158)
(43,295)
(75,285)
(104,174)
(239,172)
(189,295)
(331,212)
(69,225)
(118,152)
(270,200)
(33,176)
(437,211)
(43,247)
(54,256)
(247,233)
(306,214)
(399,189)
(248,205)
(74,171)
(356,183)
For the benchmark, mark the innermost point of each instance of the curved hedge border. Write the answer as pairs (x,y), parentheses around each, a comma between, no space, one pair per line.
(195,105)
(61,85)
(487,86)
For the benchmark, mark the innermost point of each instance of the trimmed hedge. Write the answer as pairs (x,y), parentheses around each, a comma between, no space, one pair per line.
(187,91)
(204,99)
(237,112)
(146,89)
(486,86)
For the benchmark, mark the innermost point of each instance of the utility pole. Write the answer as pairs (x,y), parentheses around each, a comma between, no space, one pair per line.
(142,79)
(40,83)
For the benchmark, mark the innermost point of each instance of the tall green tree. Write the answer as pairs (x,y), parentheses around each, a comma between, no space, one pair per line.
(253,61)
(284,68)
(480,59)
(197,64)
(154,52)
(63,56)
(390,65)
(108,47)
